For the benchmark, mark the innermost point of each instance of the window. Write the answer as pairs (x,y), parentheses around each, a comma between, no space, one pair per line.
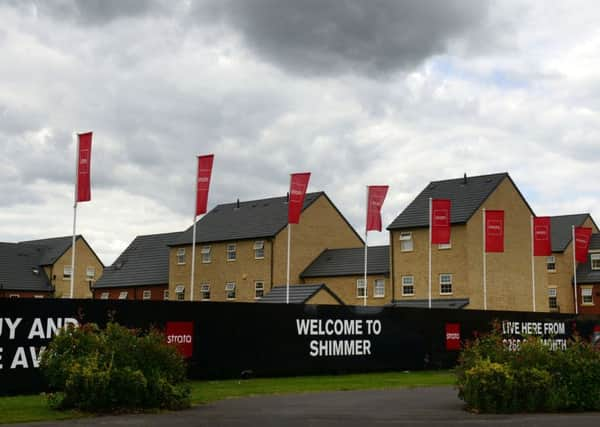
(408,285)
(551,263)
(586,296)
(123,295)
(104,295)
(147,294)
(231,252)
(552,301)
(595,260)
(181,256)
(445,245)
(205,254)
(259,289)
(205,291)
(379,291)
(180,292)
(360,288)
(90,272)
(259,249)
(166,295)
(445,284)
(406,242)
(67,272)
(230,290)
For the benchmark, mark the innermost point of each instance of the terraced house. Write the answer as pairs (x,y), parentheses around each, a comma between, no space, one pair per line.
(241,248)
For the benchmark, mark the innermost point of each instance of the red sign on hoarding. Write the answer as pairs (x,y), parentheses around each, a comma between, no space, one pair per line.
(181,335)
(452,336)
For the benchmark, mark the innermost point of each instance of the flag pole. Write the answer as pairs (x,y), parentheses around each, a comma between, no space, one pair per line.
(194,231)
(287,282)
(532,263)
(484,267)
(71,286)
(574,269)
(429,293)
(366,246)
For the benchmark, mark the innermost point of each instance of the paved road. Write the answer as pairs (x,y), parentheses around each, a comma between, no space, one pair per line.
(435,406)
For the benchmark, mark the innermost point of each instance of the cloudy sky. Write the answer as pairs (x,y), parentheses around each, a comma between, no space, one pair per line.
(356,92)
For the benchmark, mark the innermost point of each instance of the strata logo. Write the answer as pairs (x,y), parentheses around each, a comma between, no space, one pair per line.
(181,335)
(452,336)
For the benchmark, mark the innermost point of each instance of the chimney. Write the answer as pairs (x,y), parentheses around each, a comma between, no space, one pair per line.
(465,179)
(237,205)
(287,198)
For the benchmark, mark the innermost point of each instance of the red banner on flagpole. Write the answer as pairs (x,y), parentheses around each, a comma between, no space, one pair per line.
(205,164)
(542,237)
(440,221)
(376,196)
(494,231)
(582,243)
(298,185)
(84,192)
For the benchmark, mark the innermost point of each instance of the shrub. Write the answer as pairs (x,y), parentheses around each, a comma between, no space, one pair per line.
(114,369)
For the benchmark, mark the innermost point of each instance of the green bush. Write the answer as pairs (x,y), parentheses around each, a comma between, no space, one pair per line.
(114,369)
(535,378)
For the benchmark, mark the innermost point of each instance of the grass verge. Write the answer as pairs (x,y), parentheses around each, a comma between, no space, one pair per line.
(31,408)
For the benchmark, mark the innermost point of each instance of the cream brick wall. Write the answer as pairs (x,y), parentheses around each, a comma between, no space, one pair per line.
(509,278)
(84,257)
(345,288)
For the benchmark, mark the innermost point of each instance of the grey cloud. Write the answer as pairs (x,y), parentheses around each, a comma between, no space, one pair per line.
(326,37)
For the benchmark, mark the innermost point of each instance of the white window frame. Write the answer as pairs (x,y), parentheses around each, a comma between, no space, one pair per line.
(259,287)
(231,252)
(104,295)
(90,272)
(379,288)
(67,271)
(146,294)
(445,283)
(259,249)
(551,261)
(180,292)
(165,294)
(123,294)
(205,291)
(553,296)
(445,246)
(230,290)
(406,242)
(361,288)
(587,292)
(408,281)
(205,251)
(595,261)
(180,256)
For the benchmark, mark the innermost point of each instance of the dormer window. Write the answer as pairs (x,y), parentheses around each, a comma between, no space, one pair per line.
(595,261)
(406,242)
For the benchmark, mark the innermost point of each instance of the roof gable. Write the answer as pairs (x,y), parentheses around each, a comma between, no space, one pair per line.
(246,220)
(298,294)
(466,196)
(144,262)
(561,229)
(55,247)
(349,262)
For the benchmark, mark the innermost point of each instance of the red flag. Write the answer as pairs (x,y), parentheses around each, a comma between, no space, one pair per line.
(582,243)
(376,196)
(84,193)
(542,238)
(494,231)
(440,221)
(298,185)
(205,164)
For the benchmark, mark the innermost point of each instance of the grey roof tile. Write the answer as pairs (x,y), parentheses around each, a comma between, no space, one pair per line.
(20,268)
(466,199)
(53,248)
(349,262)
(585,274)
(560,228)
(435,303)
(250,220)
(144,262)
(299,294)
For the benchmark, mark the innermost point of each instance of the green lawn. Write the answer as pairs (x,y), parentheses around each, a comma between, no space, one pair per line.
(34,407)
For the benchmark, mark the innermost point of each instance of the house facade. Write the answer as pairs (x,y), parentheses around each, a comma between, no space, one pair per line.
(588,280)
(241,248)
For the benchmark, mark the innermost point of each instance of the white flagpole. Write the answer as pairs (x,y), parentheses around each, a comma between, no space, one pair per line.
(194,233)
(532,263)
(366,246)
(287,286)
(76,140)
(574,270)
(429,298)
(484,267)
